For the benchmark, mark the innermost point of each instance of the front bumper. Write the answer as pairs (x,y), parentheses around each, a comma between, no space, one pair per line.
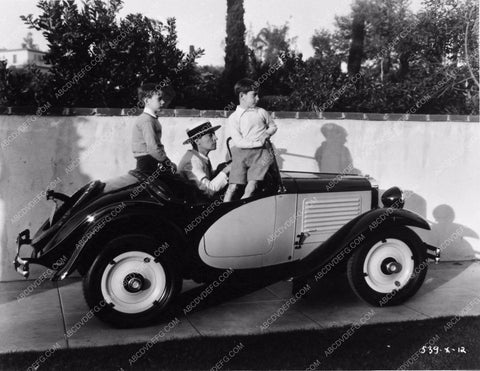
(22,265)
(433,252)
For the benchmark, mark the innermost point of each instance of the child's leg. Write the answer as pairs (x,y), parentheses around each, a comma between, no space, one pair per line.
(230,192)
(250,188)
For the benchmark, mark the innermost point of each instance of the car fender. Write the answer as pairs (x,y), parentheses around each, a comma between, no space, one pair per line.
(90,230)
(343,242)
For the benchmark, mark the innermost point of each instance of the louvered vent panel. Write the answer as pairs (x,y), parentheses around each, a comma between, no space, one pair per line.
(329,215)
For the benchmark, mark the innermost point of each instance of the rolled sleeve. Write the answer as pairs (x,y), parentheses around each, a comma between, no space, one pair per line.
(195,172)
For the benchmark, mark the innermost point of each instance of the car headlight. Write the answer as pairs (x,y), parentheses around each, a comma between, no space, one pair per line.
(393,197)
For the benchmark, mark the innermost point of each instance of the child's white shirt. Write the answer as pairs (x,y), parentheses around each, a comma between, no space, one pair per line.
(248,125)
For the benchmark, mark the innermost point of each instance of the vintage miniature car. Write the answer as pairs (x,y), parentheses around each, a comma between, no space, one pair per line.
(135,238)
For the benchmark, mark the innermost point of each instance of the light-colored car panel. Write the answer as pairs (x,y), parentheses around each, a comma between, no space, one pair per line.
(240,238)
(325,213)
(284,233)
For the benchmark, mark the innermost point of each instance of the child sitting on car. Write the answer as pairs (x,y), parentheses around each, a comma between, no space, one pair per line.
(147,144)
(250,127)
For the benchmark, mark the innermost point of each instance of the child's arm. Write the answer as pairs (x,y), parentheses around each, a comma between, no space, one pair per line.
(154,144)
(271,126)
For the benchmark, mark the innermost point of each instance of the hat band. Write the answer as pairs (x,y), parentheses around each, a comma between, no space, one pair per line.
(199,129)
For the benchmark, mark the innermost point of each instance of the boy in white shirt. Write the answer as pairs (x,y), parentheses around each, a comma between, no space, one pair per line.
(250,127)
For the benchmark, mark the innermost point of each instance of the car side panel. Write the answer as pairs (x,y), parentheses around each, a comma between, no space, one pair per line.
(239,238)
(95,226)
(348,238)
(322,214)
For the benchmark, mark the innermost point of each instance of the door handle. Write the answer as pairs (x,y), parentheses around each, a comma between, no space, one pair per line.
(301,239)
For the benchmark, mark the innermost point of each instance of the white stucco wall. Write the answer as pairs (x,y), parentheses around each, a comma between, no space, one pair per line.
(438,161)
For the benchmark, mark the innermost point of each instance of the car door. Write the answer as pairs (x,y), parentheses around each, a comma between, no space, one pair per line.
(240,238)
(283,237)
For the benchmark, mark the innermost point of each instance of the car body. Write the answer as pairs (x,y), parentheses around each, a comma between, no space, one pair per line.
(135,238)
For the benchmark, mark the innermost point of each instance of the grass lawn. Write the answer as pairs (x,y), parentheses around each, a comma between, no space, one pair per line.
(380,346)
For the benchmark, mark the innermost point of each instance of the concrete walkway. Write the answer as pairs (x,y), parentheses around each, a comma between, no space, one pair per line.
(49,312)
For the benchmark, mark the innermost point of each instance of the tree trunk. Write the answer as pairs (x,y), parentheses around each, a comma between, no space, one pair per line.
(404,66)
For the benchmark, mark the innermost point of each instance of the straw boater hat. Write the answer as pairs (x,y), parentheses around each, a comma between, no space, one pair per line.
(199,130)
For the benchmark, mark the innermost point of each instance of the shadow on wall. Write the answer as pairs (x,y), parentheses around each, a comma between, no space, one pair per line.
(449,236)
(3,208)
(416,203)
(444,233)
(333,156)
(25,175)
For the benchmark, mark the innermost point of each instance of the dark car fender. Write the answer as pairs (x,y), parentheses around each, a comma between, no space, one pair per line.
(343,242)
(145,213)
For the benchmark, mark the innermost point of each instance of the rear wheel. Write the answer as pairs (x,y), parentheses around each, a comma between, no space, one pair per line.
(129,283)
(388,268)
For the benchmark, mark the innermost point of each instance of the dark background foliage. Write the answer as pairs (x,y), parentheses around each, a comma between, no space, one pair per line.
(423,63)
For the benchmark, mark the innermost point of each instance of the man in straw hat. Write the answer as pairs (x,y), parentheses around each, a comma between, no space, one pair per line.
(195,165)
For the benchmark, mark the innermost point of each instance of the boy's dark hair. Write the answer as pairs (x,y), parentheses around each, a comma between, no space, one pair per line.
(244,86)
(148,89)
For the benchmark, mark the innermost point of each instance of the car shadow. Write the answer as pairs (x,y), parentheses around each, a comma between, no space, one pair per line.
(201,297)
(336,290)
(333,289)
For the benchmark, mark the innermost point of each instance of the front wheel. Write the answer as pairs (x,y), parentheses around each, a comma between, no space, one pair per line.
(389,267)
(129,284)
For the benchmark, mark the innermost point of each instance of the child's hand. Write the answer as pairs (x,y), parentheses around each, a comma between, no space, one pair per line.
(264,137)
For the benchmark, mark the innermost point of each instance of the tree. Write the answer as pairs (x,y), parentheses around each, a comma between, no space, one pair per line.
(236,54)
(204,92)
(272,61)
(356,47)
(20,87)
(423,63)
(99,61)
(270,42)
(446,54)
(28,42)
(328,45)
(3,82)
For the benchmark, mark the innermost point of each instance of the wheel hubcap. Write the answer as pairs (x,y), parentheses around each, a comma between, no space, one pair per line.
(388,265)
(133,282)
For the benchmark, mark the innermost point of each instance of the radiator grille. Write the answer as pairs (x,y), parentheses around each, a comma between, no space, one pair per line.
(329,215)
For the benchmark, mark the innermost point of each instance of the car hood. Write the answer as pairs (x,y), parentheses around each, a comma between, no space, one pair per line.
(306,182)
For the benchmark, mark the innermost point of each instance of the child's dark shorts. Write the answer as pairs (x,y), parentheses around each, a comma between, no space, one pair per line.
(249,164)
